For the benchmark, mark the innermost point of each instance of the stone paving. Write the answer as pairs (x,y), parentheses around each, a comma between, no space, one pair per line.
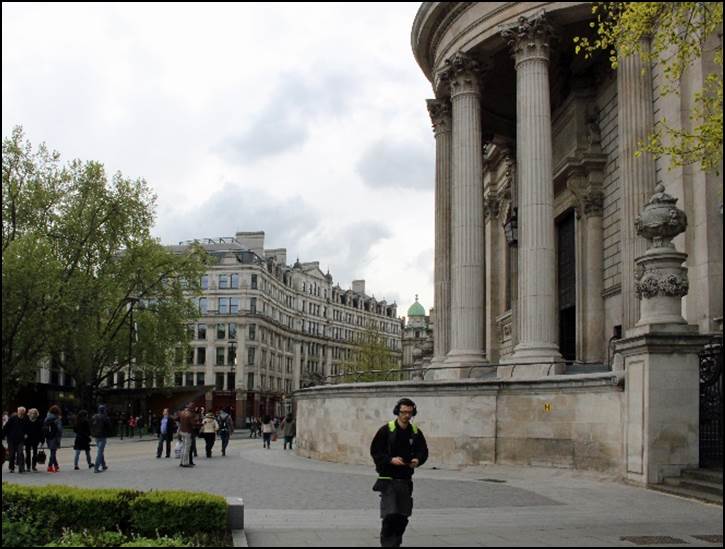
(292,501)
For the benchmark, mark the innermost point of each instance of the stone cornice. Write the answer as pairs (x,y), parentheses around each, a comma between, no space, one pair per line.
(563,383)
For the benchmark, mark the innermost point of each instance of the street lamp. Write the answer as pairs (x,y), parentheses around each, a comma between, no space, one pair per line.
(510,227)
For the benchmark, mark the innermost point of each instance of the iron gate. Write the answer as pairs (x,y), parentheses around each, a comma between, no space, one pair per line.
(711,412)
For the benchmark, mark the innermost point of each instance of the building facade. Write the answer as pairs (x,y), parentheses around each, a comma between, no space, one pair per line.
(267,328)
(538,187)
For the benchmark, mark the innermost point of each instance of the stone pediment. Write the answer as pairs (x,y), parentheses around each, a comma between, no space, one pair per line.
(313,269)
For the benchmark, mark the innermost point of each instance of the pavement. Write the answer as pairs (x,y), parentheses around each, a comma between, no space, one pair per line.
(293,501)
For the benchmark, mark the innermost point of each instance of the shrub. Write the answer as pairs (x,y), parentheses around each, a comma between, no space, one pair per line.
(178,513)
(59,507)
(86,512)
(23,534)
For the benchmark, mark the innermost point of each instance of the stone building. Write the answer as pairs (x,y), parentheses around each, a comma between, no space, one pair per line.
(417,336)
(555,244)
(537,187)
(267,328)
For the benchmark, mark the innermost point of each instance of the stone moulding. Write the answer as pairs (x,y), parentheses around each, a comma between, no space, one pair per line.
(605,380)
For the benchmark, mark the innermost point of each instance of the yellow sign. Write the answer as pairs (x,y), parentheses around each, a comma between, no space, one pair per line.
(547,406)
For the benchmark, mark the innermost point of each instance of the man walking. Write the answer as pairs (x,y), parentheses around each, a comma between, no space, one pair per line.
(186,428)
(397,449)
(101,429)
(167,428)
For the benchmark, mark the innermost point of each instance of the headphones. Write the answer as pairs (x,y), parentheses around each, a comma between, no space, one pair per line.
(404,402)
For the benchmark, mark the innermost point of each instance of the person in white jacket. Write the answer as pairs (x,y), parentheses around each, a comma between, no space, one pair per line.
(209,428)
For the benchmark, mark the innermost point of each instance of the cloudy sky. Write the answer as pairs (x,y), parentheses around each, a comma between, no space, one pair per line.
(307,121)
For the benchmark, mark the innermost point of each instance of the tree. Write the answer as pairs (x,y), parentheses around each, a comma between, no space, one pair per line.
(372,360)
(84,284)
(673,34)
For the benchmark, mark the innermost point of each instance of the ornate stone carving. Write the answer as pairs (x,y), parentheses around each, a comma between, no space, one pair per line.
(660,220)
(491,205)
(462,73)
(440,115)
(529,37)
(653,283)
(660,279)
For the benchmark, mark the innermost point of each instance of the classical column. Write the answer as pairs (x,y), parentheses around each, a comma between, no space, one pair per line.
(494,261)
(467,260)
(590,262)
(637,176)
(440,114)
(538,346)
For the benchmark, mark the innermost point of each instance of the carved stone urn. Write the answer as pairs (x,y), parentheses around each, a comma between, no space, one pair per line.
(661,278)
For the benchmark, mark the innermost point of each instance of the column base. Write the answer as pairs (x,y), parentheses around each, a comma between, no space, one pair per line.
(532,362)
(465,364)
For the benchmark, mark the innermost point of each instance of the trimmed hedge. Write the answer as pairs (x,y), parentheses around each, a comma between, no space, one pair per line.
(129,512)
(172,513)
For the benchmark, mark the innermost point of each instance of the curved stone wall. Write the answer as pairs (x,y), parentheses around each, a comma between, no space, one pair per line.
(562,421)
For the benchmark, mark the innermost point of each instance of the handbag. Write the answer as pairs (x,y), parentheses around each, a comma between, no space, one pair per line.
(41,457)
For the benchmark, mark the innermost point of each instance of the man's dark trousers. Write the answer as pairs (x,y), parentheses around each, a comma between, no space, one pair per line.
(167,440)
(396,505)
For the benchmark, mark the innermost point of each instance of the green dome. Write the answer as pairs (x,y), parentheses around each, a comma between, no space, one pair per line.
(416,309)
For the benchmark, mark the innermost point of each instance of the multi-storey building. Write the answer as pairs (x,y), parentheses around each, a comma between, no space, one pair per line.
(266,328)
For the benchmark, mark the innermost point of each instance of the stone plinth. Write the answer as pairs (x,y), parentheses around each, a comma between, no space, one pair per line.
(661,400)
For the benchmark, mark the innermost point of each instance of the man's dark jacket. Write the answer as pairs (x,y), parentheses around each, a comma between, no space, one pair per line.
(405,444)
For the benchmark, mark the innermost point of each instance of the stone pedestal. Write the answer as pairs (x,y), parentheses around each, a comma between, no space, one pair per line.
(662,400)
(660,355)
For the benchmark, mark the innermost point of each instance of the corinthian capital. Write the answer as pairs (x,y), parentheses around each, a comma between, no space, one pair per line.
(529,37)
(440,115)
(462,73)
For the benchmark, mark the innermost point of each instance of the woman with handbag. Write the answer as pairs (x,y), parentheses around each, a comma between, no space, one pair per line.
(34,436)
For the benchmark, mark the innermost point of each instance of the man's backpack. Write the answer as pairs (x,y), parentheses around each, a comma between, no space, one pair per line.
(97,426)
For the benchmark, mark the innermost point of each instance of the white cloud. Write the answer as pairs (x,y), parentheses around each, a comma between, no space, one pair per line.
(307,121)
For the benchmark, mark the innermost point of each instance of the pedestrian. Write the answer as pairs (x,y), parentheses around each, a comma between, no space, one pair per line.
(33,437)
(267,431)
(289,430)
(14,432)
(196,431)
(167,428)
(186,428)
(397,449)
(132,422)
(82,442)
(226,428)
(53,434)
(209,428)
(101,427)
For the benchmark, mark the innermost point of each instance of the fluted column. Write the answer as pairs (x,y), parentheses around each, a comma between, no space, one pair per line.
(440,114)
(467,246)
(637,175)
(538,339)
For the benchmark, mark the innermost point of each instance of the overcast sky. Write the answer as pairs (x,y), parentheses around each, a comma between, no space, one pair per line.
(306,121)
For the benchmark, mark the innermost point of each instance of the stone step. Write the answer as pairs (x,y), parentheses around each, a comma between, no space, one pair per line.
(709,475)
(686,493)
(695,484)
